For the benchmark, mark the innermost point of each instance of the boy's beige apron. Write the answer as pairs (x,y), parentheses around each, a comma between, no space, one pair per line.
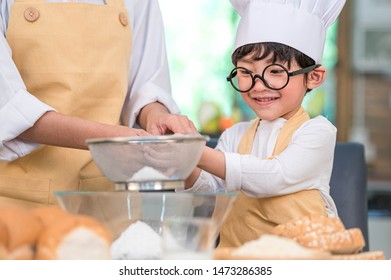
(251,217)
(74,57)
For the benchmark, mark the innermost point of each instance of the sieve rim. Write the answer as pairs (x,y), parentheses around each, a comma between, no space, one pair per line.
(149,139)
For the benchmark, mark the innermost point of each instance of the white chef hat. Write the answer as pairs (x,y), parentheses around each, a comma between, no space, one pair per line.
(301,24)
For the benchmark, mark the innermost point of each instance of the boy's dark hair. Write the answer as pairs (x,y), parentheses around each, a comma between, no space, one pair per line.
(281,53)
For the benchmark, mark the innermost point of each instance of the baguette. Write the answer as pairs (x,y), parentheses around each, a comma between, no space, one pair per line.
(23,229)
(75,237)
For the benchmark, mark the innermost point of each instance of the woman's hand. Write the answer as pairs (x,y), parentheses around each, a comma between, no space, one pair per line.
(156,120)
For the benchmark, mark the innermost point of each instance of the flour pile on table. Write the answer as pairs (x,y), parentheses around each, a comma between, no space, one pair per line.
(273,246)
(138,242)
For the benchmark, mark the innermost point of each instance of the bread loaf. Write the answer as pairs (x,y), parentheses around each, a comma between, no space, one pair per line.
(49,232)
(323,233)
(75,237)
(349,241)
(3,241)
(22,229)
(49,215)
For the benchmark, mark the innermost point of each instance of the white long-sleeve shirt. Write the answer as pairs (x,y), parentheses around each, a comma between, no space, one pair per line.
(149,77)
(305,164)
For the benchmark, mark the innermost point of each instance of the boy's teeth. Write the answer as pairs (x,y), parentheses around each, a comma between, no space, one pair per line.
(265,99)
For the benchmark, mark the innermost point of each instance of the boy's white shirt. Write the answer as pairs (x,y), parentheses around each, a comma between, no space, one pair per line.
(149,77)
(305,164)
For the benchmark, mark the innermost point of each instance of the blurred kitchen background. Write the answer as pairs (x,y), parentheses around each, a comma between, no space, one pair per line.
(356,95)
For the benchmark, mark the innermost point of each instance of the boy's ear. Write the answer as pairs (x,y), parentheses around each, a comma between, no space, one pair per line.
(316,77)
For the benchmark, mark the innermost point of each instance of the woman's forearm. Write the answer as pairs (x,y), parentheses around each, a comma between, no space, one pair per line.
(56,129)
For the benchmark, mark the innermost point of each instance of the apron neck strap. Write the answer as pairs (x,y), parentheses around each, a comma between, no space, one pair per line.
(283,138)
(118,3)
(29,1)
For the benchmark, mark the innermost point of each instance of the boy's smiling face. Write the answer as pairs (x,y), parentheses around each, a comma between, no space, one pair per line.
(272,104)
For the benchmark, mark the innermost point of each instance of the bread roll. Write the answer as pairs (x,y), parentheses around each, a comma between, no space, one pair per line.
(75,237)
(309,224)
(22,229)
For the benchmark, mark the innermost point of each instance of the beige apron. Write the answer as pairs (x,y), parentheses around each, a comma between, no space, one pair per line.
(251,217)
(74,57)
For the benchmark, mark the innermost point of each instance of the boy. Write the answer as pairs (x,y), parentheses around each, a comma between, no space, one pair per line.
(281,162)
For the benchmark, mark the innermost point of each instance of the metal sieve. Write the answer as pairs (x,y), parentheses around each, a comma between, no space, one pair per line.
(147,162)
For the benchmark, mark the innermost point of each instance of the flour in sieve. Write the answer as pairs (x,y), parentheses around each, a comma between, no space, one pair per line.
(148,173)
(138,242)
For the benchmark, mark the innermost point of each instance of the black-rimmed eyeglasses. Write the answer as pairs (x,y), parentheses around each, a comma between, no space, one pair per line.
(274,76)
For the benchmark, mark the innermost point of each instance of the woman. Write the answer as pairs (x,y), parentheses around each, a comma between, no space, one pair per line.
(72,71)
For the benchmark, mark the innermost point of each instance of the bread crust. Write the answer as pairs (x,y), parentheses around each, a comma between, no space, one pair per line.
(3,241)
(349,241)
(3,234)
(23,229)
(375,255)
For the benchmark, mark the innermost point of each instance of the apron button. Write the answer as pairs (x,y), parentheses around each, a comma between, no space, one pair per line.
(31,14)
(123,19)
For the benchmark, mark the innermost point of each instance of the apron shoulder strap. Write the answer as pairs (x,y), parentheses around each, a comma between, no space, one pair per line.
(286,133)
(246,143)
